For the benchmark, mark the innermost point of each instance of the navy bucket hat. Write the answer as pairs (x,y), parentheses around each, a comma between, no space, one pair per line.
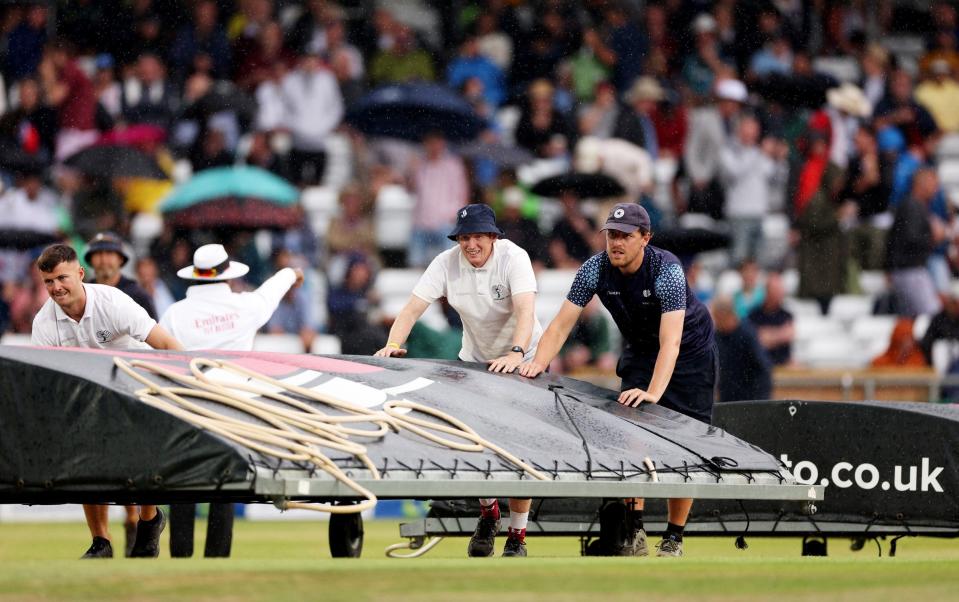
(106,241)
(473,219)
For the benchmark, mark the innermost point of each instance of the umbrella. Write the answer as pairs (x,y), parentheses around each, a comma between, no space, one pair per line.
(234,197)
(585,185)
(24,240)
(408,111)
(134,135)
(502,155)
(14,158)
(116,162)
(690,241)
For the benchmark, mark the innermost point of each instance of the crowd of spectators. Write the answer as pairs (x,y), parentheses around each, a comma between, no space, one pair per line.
(727,112)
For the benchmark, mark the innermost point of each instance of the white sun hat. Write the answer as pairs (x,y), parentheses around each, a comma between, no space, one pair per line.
(211,263)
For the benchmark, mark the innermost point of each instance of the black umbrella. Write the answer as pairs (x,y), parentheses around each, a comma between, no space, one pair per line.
(14,158)
(116,162)
(408,111)
(690,241)
(585,185)
(502,155)
(24,240)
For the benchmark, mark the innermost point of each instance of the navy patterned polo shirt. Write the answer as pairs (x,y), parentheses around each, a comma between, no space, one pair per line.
(637,301)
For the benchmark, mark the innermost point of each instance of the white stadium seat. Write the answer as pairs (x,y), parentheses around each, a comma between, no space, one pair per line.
(873,282)
(278,343)
(802,307)
(873,333)
(791,281)
(393,217)
(19,340)
(321,204)
(831,351)
(920,325)
(326,344)
(810,326)
(850,307)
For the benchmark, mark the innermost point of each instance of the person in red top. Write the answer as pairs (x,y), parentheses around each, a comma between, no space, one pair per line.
(71,92)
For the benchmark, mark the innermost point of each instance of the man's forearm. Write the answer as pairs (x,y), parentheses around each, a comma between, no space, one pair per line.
(663,370)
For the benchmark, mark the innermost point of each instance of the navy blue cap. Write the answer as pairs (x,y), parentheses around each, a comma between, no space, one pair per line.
(106,241)
(627,217)
(473,219)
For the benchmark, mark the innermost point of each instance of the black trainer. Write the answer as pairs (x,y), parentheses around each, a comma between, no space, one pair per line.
(148,537)
(101,548)
(131,537)
(514,547)
(484,537)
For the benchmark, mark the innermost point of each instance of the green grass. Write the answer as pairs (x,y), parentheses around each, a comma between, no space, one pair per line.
(290,561)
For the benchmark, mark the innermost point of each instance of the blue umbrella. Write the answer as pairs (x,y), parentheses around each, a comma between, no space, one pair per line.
(239,197)
(408,111)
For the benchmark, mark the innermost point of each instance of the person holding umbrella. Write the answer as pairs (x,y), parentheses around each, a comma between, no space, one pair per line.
(490,282)
(669,352)
(214,317)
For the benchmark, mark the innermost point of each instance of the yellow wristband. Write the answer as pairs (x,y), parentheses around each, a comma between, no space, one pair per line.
(393,345)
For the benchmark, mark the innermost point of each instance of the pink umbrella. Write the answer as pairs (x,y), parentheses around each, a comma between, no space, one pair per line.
(139,135)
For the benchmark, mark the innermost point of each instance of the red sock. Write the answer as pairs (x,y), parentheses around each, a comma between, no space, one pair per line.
(490,511)
(519,534)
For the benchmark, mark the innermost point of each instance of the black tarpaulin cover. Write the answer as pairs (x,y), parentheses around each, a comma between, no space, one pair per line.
(69,422)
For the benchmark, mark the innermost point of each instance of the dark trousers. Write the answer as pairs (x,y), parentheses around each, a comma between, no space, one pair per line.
(219,530)
(307,167)
(691,389)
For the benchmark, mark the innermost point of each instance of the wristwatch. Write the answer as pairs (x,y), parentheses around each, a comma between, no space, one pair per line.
(518,350)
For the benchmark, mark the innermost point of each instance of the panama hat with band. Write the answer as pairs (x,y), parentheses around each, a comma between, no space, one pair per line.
(211,264)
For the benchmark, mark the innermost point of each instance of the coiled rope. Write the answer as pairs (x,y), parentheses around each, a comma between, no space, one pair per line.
(297,430)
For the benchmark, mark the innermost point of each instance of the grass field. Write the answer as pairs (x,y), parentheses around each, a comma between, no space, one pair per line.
(290,561)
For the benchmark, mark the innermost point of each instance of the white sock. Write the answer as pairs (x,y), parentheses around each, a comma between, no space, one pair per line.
(517,520)
(487,502)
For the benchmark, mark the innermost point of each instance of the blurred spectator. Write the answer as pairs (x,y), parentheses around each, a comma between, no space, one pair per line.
(28,208)
(108,90)
(352,230)
(868,186)
(623,48)
(470,64)
(31,126)
(634,122)
(258,64)
(940,95)
(745,371)
(899,108)
(144,38)
(773,324)
(350,305)
(345,60)
(752,293)
(308,34)
(245,28)
(944,326)
(626,163)
(821,249)
(600,117)
(588,345)
(542,129)
(911,240)
(148,97)
(570,243)
(942,48)
(493,43)
(293,314)
(212,151)
(522,231)
(313,109)
(776,56)
(26,301)
(441,187)
(148,275)
(97,207)
(25,44)
(708,127)
(67,88)
(201,45)
(706,62)
(106,255)
(875,65)
(903,351)
(671,122)
(750,172)
(402,62)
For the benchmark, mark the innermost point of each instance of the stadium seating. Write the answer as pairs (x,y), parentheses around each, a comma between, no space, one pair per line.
(393,217)
(847,308)
(15,339)
(326,344)
(872,333)
(278,343)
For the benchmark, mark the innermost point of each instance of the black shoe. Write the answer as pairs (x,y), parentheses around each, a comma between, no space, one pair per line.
(101,548)
(148,537)
(131,538)
(484,537)
(514,547)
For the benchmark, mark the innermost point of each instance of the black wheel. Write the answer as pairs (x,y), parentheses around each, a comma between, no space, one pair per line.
(814,546)
(613,530)
(346,535)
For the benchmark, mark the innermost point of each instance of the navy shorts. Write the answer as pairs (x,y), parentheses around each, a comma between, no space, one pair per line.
(691,390)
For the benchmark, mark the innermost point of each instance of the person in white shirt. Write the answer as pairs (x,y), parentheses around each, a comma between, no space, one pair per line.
(490,282)
(100,317)
(214,317)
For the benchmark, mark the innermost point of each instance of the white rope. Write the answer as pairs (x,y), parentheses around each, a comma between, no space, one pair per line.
(298,430)
(392,549)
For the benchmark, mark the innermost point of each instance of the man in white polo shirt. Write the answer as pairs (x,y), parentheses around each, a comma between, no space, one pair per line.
(214,317)
(101,317)
(490,282)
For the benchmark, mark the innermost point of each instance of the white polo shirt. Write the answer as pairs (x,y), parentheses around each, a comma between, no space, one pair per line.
(214,317)
(111,320)
(483,297)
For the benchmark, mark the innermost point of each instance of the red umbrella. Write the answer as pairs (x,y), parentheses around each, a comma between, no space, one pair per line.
(139,135)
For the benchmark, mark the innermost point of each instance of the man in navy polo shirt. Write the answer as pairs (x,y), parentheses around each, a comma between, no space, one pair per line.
(669,354)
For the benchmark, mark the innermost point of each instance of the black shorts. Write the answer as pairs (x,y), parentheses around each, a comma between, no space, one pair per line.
(691,390)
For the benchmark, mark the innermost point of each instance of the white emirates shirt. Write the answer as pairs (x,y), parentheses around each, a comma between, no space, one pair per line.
(483,297)
(214,317)
(110,320)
